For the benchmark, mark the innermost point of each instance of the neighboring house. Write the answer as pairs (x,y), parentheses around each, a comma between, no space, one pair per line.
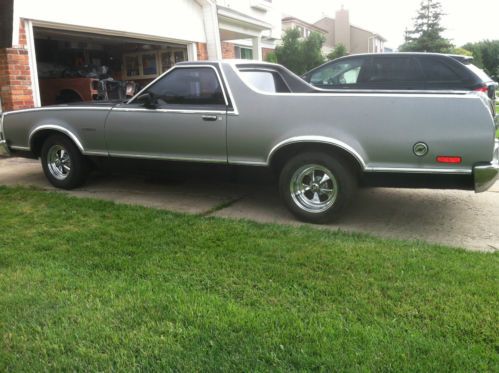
(133,42)
(302,26)
(355,39)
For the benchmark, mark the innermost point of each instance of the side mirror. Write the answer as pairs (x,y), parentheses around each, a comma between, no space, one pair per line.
(147,99)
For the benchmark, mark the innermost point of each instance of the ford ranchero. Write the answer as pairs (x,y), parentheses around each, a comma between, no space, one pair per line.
(321,144)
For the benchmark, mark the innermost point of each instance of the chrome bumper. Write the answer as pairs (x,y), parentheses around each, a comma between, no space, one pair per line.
(4,149)
(486,175)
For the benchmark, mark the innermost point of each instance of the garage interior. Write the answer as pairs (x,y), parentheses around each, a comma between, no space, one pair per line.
(75,66)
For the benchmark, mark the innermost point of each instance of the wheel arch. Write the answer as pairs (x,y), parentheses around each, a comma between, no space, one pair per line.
(38,135)
(288,148)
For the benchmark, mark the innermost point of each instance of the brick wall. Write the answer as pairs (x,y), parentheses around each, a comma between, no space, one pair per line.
(202,50)
(15,76)
(228,50)
(266,52)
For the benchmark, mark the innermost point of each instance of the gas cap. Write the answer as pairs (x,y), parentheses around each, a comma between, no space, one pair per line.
(420,149)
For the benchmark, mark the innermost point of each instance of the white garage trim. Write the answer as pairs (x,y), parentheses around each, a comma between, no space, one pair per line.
(99,31)
(33,67)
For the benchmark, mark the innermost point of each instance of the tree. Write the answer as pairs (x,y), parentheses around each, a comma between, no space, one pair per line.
(426,36)
(339,51)
(486,56)
(461,51)
(300,54)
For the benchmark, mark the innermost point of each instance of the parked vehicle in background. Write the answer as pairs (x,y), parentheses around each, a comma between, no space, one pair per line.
(60,85)
(403,72)
(321,144)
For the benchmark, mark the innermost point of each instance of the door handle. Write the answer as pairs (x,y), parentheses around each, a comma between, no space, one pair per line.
(210,118)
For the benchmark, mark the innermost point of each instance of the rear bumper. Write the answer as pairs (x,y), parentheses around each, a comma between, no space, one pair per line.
(4,149)
(485,175)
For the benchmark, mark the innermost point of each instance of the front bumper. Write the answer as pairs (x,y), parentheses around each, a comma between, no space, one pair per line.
(4,149)
(486,175)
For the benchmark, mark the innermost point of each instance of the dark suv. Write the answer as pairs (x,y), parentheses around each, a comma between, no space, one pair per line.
(403,72)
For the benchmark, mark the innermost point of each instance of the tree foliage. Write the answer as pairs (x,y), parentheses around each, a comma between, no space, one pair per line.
(339,51)
(300,54)
(486,56)
(426,35)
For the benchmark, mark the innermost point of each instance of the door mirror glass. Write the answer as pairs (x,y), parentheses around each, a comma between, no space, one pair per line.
(147,99)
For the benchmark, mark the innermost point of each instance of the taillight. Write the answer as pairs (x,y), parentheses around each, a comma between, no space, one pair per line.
(448,159)
(483,89)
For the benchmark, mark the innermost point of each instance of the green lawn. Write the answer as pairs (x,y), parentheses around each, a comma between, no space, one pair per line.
(88,285)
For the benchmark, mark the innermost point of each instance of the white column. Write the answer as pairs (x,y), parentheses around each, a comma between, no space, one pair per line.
(192,52)
(257,48)
(211,30)
(33,67)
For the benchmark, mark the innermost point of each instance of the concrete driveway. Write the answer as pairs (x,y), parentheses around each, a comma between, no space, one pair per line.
(455,218)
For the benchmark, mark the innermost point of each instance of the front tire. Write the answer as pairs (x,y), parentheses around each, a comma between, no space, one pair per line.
(62,163)
(316,187)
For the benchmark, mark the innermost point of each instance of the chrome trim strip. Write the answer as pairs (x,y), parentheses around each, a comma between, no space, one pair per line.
(180,111)
(2,134)
(318,139)
(23,148)
(100,154)
(50,108)
(187,66)
(422,170)
(248,163)
(167,158)
(56,128)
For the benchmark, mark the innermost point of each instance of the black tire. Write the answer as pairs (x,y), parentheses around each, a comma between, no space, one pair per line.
(78,166)
(316,205)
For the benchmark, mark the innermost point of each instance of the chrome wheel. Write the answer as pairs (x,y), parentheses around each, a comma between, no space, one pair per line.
(58,162)
(313,188)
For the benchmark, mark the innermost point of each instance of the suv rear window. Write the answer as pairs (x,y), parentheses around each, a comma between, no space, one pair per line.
(437,71)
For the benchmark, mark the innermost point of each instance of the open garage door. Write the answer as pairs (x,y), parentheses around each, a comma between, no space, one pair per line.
(74,66)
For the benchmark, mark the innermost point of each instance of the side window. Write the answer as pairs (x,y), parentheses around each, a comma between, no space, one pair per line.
(266,81)
(394,69)
(438,72)
(339,74)
(188,86)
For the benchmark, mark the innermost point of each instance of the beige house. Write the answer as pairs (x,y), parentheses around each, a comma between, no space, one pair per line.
(355,39)
(302,26)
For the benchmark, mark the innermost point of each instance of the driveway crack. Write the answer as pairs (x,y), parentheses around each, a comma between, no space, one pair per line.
(222,206)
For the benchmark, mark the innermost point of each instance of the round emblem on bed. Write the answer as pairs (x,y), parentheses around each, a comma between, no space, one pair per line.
(420,149)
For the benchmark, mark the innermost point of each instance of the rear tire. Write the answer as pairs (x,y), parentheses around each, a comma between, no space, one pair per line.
(62,163)
(316,187)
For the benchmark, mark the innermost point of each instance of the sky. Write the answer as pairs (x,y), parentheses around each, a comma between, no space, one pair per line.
(466,20)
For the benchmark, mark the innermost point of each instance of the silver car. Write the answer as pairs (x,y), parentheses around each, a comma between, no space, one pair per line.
(321,144)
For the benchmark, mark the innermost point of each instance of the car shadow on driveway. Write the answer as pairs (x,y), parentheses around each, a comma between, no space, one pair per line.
(449,217)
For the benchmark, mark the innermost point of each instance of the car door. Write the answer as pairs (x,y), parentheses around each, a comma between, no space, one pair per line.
(181,116)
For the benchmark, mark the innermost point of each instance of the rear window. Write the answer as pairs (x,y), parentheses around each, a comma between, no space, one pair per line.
(479,72)
(266,81)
